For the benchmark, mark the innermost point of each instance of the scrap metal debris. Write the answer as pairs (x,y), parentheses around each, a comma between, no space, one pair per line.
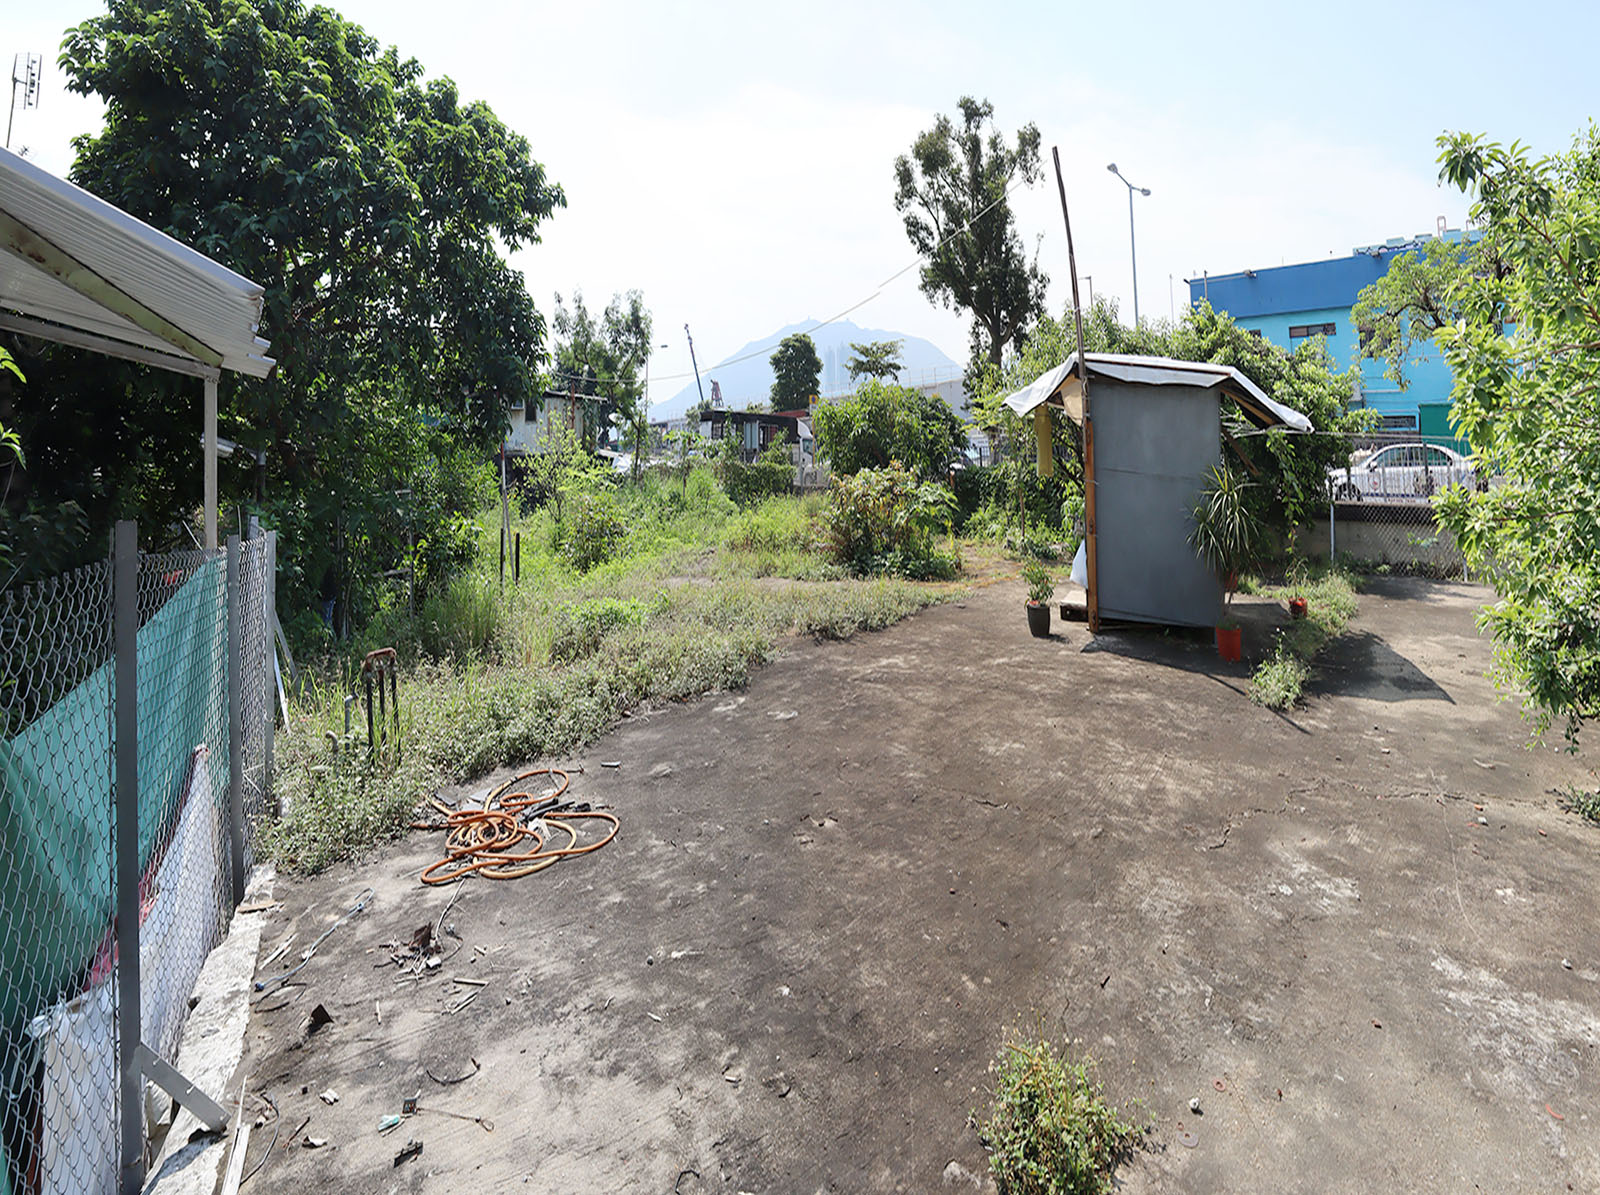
(408,1151)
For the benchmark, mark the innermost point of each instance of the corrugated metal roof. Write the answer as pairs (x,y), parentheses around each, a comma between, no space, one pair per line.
(1160,371)
(71,258)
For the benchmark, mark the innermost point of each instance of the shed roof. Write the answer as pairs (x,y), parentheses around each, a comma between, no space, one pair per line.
(80,270)
(1062,384)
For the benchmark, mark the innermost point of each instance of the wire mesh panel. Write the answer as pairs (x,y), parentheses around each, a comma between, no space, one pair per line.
(58,1116)
(185,885)
(256,567)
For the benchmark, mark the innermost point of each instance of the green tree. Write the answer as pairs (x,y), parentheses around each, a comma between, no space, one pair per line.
(606,359)
(374,207)
(951,191)
(1530,402)
(882,423)
(1419,294)
(796,368)
(875,359)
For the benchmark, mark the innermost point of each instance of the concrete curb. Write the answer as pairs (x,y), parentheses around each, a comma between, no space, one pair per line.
(191,1160)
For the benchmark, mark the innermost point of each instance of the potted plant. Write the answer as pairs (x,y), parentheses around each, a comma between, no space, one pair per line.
(1297,583)
(1227,535)
(1040,587)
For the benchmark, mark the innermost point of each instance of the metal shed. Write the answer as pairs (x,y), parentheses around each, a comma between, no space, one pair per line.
(1152,431)
(80,271)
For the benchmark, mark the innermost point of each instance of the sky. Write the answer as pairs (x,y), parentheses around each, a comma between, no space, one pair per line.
(735,162)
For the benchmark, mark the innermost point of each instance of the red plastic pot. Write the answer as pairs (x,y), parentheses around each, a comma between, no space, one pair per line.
(1230,643)
(1297,607)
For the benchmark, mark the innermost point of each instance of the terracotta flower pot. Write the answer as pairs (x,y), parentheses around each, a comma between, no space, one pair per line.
(1039,620)
(1230,643)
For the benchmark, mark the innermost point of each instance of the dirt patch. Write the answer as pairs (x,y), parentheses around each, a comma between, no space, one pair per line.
(833,891)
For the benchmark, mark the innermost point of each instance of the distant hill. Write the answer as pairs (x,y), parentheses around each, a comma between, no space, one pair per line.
(744,381)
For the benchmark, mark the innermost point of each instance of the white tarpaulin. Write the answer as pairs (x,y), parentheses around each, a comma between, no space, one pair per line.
(1063,383)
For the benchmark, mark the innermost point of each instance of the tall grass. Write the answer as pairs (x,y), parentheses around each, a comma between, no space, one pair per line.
(698,595)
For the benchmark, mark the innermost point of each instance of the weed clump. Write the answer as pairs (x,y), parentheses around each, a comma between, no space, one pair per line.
(1277,683)
(1050,1130)
(1585,805)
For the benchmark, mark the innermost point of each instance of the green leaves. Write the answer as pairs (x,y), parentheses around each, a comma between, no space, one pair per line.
(795,368)
(880,423)
(950,191)
(1530,404)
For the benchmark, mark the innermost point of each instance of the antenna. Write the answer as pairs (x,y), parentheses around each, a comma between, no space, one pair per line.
(25,70)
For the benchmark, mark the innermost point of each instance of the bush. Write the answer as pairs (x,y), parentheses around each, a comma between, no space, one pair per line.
(1050,1131)
(883,520)
(592,530)
(1277,683)
(577,629)
(768,476)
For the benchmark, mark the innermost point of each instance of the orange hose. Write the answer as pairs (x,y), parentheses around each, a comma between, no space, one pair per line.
(483,841)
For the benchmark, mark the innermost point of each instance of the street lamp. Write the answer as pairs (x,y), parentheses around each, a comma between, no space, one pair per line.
(1132,249)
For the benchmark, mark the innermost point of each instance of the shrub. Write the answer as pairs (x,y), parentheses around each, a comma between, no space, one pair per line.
(768,476)
(577,629)
(1277,683)
(1050,1130)
(1040,584)
(883,520)
(592,530)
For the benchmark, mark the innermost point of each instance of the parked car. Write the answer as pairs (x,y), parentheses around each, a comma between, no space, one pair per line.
(1402,472)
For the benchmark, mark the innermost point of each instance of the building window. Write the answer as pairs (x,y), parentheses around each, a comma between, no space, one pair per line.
(1400,423)
(1300,331)
(1256,332)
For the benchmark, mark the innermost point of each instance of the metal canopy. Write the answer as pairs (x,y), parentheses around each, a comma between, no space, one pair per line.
(80,271)
(1063,387)
(69,258)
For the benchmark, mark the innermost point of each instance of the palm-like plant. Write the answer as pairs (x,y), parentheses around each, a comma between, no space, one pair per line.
(1227,534)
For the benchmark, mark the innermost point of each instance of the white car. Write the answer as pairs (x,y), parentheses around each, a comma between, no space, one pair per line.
(1402,473)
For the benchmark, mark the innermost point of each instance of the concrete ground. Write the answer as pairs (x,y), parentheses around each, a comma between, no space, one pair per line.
(1362,934)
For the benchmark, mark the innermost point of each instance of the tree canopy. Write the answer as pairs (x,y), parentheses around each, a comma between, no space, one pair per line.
(1420,293)
(606,359)
(875,359)
(373,205)
(882,423)
(796,369)
(1530,404)
(951,191)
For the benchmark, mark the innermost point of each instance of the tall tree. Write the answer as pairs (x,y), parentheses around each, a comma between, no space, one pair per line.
(875,359)
(373,206)
(796,369)
(951,190)
(606,358)
(1530,403)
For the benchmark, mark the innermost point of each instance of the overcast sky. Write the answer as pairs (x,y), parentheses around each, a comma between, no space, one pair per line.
(735,161)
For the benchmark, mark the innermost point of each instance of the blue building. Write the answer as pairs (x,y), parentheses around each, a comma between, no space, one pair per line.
(1290,304)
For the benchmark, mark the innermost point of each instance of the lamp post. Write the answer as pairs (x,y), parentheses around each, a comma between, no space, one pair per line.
(1132,248)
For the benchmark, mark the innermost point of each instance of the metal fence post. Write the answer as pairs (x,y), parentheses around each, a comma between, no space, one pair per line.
(235,722)
(269,569)
(125,727)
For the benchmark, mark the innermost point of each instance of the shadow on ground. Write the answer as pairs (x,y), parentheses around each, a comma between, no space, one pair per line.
(1343,932)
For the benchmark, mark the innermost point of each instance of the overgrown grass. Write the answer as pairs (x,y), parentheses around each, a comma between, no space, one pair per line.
(697,596)
(1050,1130)
(1330,604)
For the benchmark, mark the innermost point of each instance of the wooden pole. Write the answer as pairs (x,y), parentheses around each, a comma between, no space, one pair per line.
(1092,596)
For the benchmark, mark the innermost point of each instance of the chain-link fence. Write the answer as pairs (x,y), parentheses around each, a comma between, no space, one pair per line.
(135,732)
(1380,503)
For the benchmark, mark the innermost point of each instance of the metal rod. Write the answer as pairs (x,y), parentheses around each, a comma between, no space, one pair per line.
(235,722)
(1091,554)
(694,363)
(211,462)
(125,736)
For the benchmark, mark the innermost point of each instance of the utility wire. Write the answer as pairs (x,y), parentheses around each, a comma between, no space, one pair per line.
(878,290)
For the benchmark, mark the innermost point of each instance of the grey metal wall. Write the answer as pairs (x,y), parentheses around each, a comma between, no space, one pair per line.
(1153,447)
